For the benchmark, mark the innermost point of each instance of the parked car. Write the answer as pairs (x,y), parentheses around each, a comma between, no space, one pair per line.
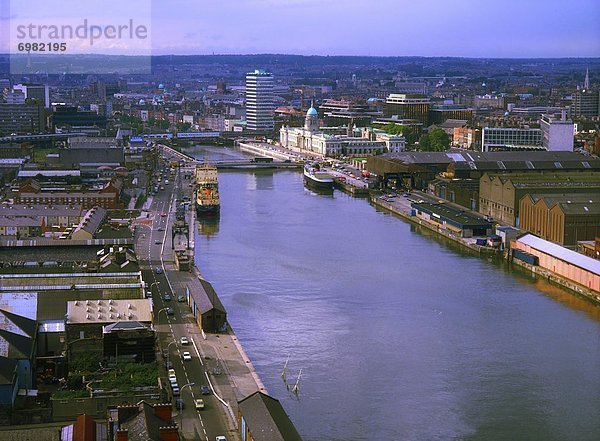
(179,404)
(175,389)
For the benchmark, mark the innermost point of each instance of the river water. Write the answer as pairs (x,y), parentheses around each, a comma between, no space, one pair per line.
(399,335)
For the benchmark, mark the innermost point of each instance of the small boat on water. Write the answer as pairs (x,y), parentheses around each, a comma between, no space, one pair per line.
(317,179)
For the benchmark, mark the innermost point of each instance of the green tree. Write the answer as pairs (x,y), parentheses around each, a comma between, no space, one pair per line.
(183,126)
(398,129)
(436,141)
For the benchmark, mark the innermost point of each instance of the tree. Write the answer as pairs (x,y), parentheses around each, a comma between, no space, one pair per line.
(183,126)
(398,129)
(436,141)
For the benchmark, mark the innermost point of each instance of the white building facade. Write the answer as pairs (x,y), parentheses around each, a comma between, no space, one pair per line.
(310,139)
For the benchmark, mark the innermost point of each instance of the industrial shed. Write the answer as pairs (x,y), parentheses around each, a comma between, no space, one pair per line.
(571,265)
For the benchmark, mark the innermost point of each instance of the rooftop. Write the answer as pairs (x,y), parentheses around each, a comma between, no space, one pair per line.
(109,311)
(267,419)
(39,210)
(572,257)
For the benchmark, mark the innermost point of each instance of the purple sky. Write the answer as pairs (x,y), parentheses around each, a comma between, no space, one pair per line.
(467,28)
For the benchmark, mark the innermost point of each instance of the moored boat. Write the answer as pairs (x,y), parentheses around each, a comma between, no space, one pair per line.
(315,178)
(207,191)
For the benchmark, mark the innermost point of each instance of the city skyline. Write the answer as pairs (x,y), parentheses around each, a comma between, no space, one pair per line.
(462,28)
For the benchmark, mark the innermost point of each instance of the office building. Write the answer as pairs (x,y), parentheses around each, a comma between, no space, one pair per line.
(440,113)
(21,118)
(37,92)
(557,133)
(586,103)
(14,97)
(259,101)
(408,106)
(510,138)
(341,112)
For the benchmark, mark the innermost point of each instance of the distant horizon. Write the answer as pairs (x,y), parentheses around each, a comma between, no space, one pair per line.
(259,54)
(510,29)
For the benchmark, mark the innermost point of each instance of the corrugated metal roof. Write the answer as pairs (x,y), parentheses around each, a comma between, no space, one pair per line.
(572,257)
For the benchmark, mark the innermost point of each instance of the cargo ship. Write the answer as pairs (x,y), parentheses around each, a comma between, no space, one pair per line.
(207,190)
(316,179)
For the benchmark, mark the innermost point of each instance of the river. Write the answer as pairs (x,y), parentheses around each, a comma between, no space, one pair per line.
(399,335)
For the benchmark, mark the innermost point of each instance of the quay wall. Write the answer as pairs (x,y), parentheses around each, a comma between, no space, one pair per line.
(445,233)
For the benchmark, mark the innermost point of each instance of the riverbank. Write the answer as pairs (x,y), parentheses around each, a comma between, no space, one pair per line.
(406,213)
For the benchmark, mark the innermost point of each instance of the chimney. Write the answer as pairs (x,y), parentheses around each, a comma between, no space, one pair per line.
(168,433)
(163,411)
(122,435)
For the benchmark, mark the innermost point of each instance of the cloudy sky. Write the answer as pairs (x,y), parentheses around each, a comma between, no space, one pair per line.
(466,28)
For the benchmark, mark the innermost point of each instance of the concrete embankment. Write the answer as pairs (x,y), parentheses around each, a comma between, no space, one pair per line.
(556,279)
(406,215)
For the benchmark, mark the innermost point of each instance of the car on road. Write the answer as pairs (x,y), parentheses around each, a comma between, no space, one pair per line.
(199,403)
(170,311)
(181,298)
(163,214)
(167,297)
(204,390)
(158,270)
(157,242)
(220,438)
(184,340)
(186,356)
(160,229)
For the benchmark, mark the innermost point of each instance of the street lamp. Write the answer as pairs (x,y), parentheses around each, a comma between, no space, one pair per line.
(169,351)
(154,283)
(181,410)
(158,315)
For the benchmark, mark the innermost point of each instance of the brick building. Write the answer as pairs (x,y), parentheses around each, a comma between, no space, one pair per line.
(108,197)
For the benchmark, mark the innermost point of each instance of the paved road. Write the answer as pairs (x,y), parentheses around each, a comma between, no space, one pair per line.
(153,248)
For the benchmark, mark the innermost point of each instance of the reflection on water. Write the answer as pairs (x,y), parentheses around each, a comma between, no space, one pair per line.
(399,335)
(208,226)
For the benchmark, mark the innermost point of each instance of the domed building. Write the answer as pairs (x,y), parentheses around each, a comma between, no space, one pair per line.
(311,122)
(335,141)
